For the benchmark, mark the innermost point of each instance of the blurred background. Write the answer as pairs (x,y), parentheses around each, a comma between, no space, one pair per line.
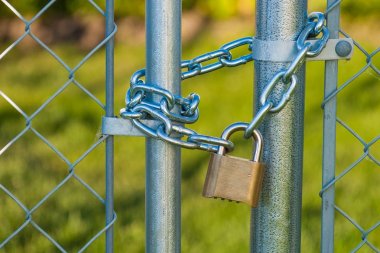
(71,123)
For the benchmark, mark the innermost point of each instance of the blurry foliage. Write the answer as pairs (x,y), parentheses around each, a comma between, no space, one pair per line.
(361,8)
(215,9)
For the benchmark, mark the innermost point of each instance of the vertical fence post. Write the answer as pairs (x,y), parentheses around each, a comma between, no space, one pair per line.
(329,137)
(110,25)
(276,223)
(163,172)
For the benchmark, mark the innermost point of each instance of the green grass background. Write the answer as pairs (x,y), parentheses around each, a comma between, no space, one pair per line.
(71,122)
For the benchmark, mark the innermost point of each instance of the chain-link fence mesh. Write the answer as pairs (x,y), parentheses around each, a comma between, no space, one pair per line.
(356,180)
(33,191)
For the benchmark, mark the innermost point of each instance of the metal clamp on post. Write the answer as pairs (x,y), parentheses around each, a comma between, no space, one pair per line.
(285,51)
(320,48)
(119,126)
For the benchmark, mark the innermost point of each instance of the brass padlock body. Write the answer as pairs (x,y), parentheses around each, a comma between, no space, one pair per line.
(234,178)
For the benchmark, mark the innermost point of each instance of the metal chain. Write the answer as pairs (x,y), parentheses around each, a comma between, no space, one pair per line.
(314,27)
(223,56)
(137,108)
(184,110)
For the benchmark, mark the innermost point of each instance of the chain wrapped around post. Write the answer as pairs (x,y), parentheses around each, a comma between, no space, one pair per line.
(171,129)
(315,27)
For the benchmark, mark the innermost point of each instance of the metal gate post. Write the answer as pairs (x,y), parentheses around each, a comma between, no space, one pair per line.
(110,26)
(163,172)
(276,223)
(329,137)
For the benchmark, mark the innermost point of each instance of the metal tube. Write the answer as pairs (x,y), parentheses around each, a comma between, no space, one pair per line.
(329,137)
(163,172)
(109,113)
(276,223)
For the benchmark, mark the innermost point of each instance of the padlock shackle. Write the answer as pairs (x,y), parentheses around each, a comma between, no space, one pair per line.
(241,126)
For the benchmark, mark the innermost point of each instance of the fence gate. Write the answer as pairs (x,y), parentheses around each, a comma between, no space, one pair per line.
(285,38)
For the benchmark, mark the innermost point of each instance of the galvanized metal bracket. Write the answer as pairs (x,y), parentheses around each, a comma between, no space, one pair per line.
(285,51)
(125,127)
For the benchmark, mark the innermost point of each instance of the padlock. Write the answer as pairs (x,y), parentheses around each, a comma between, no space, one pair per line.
(234,178)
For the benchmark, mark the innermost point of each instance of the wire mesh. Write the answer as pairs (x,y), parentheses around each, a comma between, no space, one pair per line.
(30,210)
(351,124)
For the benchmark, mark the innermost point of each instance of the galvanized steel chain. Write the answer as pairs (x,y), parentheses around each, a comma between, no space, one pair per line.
(223,56)
(172,111)
(314,27)
(137,108)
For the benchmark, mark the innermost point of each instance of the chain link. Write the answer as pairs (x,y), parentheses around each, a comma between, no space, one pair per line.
(223,56)
(184,110)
